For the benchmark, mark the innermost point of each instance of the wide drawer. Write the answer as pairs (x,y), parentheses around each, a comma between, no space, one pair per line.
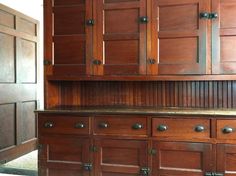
(63,124)
(120,125)
(179,127)
(226,129)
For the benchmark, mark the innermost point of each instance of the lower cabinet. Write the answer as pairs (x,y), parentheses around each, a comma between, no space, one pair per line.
(181,158)
(64,156)
(121,157)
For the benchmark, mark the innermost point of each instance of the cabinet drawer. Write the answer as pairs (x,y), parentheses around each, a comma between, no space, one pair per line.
(63,124)
(184,128)
(226,129)
(120,125)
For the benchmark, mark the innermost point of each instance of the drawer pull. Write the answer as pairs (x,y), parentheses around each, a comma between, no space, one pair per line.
(79,125)
(48,125)
(103,125)
(162,128)
(137,126)
(199,128)
(87,166)
(227,130)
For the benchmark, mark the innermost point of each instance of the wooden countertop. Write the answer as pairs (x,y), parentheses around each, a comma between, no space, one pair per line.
(139,111)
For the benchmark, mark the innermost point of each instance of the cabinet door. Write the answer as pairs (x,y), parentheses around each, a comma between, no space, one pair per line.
(120,157)
(120,37)
(226,159)
(179,36)
(68,38)
(182,158)
(224,37)
(60,156)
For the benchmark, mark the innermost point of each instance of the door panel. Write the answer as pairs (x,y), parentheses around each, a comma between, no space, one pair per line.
(179,36)
(119,38)
(224,37)
(120,157)
(226,159)
(182,158)
(71,38)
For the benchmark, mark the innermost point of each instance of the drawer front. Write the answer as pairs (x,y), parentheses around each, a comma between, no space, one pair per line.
(226,129)
(184,128)
(120,125)
(63,124)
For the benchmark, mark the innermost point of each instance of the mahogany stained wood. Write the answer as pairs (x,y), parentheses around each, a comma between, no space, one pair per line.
(221,124)
(18,83)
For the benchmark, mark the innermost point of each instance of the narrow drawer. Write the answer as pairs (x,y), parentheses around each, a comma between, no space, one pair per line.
(120,125)
(184,128)
(63,124)
(226,129)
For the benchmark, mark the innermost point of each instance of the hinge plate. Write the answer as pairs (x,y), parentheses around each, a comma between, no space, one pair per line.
(93,148)
(152,151)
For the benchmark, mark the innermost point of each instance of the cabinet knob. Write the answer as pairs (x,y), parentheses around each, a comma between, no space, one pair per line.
(87,166)
(162,128)
(204,15)
(218,174)
(143,19)
(48,125)
(199,128)
(79,125)
(151,61)
(90,22)
(97,62)
(227,130)
(213,15)
(103,125)
(144,171)
(137,126)
(208,174)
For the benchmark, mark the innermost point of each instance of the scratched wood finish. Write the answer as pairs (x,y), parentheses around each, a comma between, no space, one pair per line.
(192,94)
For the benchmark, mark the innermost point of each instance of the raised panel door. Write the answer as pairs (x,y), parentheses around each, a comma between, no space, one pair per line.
(179,36)
(224,37)
(120,157)
(182,158)
(119,37)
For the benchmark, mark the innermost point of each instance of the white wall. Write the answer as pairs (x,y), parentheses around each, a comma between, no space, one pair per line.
(34,9)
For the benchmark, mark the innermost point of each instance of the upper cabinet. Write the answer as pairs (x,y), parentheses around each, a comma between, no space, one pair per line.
(140,37)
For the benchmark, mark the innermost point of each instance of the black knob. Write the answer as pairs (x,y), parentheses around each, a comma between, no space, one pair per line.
(143,19)
(79,125)
(151,61)
(48,125)
(103,125)
(199,128)
(204,15)
(213,15)
(97,62)
(137,126)
(227,130)
(90,22)
(162,128)
(87,166)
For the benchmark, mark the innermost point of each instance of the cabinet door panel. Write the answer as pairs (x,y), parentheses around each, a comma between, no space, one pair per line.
(224,37)
(63,155)
(120,157)
(226,159)
(182,158)
(120,37)
(179,36)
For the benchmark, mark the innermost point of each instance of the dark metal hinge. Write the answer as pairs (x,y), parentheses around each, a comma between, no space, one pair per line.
(47,62)
(152,152)
(93,148)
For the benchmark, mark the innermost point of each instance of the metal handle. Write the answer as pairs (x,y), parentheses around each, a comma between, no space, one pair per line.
(162,128)
(218,174)
(79,125)
(199,128)
(204,15)
(97,62)
(143,19)
(137,126)
(87,166)
(208,174)
(213,15)
(144,171)
(48,125)
(90,22)
(227,130)
(103,125)
(151,61)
